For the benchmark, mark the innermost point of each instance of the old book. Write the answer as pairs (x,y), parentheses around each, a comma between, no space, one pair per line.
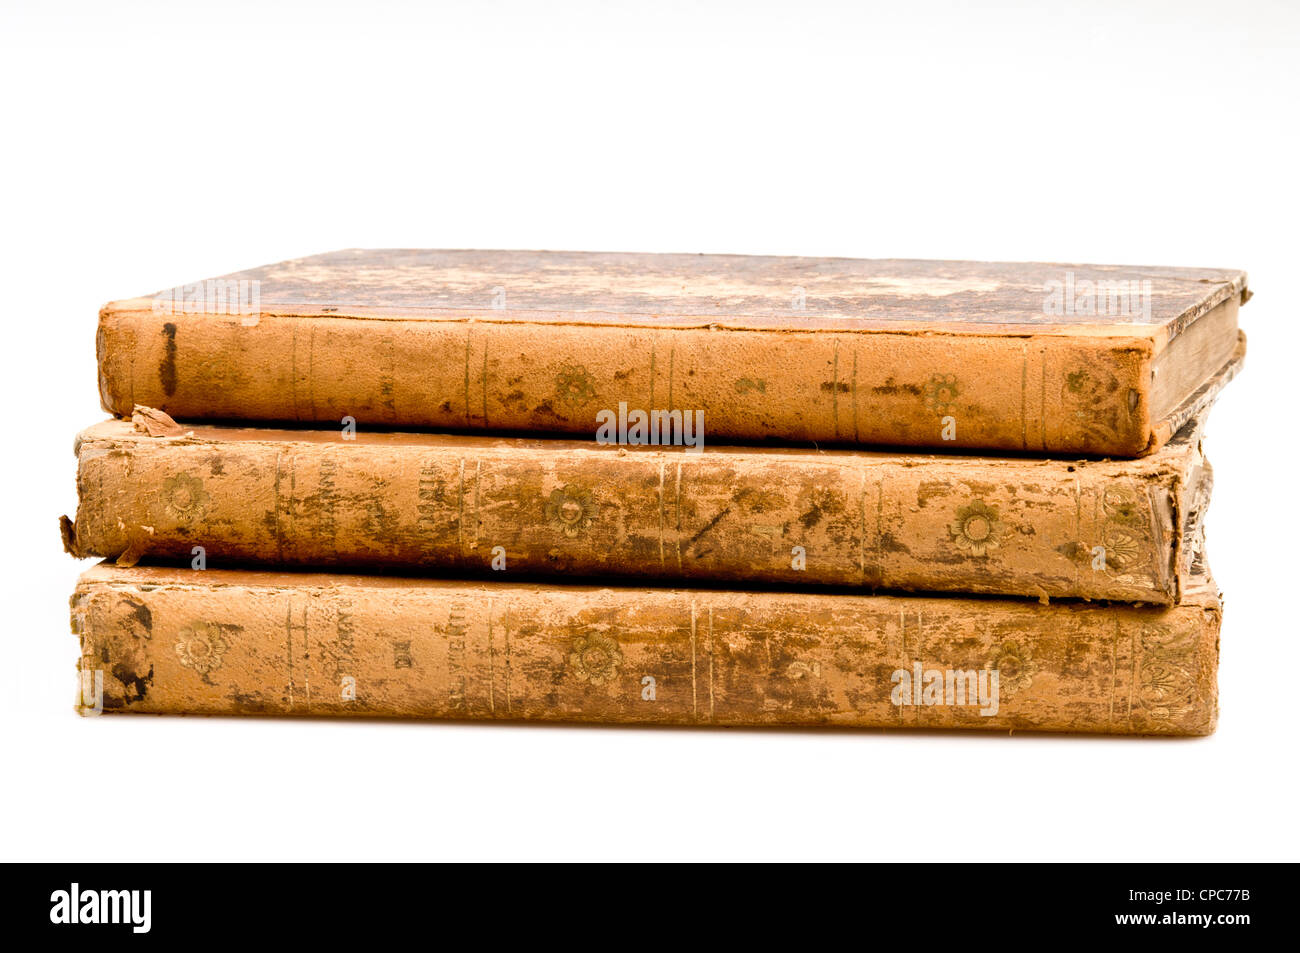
(1038,357)
(1124,530)
(229,642)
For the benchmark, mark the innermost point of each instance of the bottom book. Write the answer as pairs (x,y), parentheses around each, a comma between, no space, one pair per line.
(175,641)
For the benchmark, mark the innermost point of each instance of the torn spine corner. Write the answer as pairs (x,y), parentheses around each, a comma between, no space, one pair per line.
(154,422)
(68,530)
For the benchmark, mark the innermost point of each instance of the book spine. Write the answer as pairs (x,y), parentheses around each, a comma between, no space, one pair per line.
(1037,392)
(1030,528)
(412,650)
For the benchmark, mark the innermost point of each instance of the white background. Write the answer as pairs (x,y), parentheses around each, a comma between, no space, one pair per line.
(151,144)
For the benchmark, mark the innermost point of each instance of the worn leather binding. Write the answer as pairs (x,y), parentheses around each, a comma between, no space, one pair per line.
(1054,358)
(164,641)
(1123,530)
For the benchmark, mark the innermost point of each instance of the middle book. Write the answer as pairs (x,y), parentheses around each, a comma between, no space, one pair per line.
(1124,530)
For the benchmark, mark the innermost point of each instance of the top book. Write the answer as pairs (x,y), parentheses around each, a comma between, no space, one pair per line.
(1052,358)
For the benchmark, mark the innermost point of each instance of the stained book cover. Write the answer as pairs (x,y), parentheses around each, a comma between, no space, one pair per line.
(1057,358)
(1122,530)
(167,641)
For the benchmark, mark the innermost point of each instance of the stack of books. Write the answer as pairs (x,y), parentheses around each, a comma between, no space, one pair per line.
(636,488)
